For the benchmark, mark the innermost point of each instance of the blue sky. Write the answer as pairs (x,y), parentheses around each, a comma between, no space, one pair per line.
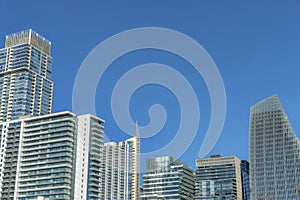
(255,45)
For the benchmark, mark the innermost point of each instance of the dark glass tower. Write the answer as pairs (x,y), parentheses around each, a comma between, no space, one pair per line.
(274,153)
(245,179)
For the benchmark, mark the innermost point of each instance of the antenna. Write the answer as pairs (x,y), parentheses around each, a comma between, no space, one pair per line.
(137,130)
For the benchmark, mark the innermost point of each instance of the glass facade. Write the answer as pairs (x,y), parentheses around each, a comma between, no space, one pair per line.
(218,177)
(167,178)
(245,179)
(274,152)
(25,76)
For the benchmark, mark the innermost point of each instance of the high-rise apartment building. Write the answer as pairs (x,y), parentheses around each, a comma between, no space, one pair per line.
(43,155)
(218,177)
(274,153)
(121,178)
(25,76)
(55,156)
(167,178)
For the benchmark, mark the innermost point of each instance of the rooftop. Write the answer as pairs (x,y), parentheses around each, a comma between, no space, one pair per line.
(28,37)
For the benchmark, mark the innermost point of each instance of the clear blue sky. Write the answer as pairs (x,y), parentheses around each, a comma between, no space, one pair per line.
(256,46)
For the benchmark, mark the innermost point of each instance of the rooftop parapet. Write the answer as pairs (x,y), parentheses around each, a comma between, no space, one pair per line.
(28,37)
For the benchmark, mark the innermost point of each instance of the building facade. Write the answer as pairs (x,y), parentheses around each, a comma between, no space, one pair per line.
(245,179)
(43,155)
(167,178)
(121,179)
(218,177)
(274,152)
(55,156)
(25,76)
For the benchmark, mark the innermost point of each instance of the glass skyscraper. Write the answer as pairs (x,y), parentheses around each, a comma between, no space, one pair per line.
(218,177)
(25,76)
(167,178)
(274,153)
